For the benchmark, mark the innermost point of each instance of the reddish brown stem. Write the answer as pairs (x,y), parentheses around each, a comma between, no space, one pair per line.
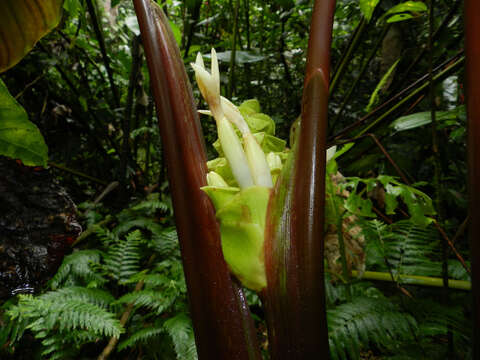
(295,295)
(222,323)
(472,47)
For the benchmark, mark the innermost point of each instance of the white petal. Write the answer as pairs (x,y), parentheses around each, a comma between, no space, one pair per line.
(199,60)
(257,162)
(204,81)
(234,115)
(205,112)
(234,153)
(215,71)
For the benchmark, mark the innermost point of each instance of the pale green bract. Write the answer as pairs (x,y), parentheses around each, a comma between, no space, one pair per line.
(240,179)
(241,213)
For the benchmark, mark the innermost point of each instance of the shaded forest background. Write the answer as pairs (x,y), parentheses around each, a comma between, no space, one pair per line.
(86,87)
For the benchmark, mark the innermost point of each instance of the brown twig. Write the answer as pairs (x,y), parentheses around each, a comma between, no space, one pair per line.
(112,343)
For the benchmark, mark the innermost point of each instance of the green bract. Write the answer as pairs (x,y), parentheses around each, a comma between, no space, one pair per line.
(241,215)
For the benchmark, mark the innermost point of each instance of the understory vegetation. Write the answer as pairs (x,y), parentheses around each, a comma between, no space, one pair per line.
(396,255)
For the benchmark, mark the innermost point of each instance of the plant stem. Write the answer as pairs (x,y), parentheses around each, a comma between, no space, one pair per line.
(220,317)
(77,173)
(103,50)
(362,73)
(411,95)
(356,124)
(295,295)
(338,74)
(414,280)
(437,32)
(134,72)
(343,257)
(112,343)
(472,47)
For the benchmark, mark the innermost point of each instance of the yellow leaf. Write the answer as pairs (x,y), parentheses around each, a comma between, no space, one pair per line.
(22,24)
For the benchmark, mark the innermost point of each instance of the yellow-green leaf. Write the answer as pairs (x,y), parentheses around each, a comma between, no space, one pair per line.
(19,138)
(22,24)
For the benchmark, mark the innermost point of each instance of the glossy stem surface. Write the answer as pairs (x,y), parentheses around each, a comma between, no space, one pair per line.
(295,295)
(221,319)
(472,51)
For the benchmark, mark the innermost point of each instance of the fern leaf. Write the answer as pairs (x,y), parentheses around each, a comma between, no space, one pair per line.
(47,313)
(151,205)
(97,297)
(352,326)
(165,242)
(137,222)
(180,330)
(78,265)
(141,336)
(123,259)
(152,299)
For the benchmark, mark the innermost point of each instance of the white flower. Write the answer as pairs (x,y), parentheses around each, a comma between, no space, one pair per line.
(209,85)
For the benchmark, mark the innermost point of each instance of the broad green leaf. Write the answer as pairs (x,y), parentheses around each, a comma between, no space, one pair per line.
(19,138)
(380,85)
(22,24)
(408,6)
(241,57)
(399,17)
(404,11)
(367,7)
(416,120)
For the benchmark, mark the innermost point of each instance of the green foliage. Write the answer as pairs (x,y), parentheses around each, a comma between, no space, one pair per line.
(123,258)
(19,138)
(133,266)
(180,330)
(418,203)
(367,7)
(404,11)
(365,321)
(63,84)
(445,118)
(385,78)
(403,248)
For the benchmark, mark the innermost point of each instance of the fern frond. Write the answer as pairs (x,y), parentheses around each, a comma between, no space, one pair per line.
(13,331)
(151,280)
(134,221)
(180,330)
(151,205)
(141,336)
(411,249)
(106,236)
(97,297)
(78,265)
(47,313)
(152,299)
(352,326)
(123,259)
(165,242)
(407,247)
